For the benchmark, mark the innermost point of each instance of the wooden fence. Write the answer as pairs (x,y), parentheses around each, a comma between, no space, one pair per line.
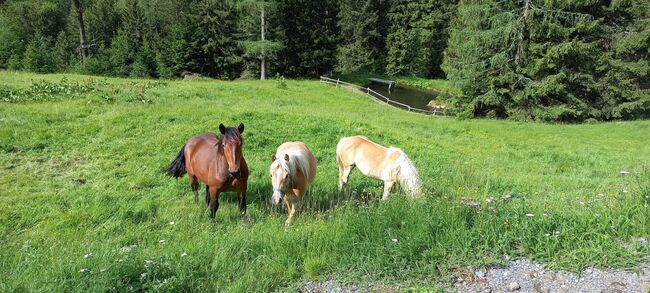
(379,97)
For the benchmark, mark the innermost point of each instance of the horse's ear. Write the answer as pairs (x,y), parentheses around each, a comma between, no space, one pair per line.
(286,157)
(222,128)
(273,158)
(241,128)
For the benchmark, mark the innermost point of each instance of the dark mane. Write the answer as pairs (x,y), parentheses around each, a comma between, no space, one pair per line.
(231,133)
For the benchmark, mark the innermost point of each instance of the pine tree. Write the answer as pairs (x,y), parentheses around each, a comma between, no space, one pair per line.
(65,51)
(257,45)
(102,19)
(417,36)
(626,64)
(174,53)
(362,43)
(529,60)
(213,37)
(38,57)
(309,34)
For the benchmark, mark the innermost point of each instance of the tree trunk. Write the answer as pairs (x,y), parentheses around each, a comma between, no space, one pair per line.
(263,54)
(523,34)
(82,31)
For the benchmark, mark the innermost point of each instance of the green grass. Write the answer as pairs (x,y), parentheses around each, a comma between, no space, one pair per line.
(81,171)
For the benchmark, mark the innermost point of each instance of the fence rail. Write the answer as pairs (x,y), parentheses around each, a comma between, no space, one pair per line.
(379,97)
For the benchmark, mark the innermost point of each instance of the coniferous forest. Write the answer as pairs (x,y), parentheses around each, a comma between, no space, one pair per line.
(552,60)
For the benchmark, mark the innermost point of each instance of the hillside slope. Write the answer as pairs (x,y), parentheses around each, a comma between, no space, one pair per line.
(81,171)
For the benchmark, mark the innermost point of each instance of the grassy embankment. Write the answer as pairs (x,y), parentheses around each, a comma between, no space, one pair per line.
(81,172)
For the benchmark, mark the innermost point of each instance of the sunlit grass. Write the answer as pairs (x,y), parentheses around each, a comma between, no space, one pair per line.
(82,173)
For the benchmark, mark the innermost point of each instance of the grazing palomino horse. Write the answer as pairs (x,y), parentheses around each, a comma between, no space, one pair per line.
(293,168)
(218,162)
(388,164)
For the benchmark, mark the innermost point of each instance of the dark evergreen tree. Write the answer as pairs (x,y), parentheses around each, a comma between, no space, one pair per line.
(258,44)
(553,61)
(29,23)
(625,66)
(417,36)
(128,55)
(173,55)
(213,37)
(363,29)
(38,57)
(102,19)
(309,33)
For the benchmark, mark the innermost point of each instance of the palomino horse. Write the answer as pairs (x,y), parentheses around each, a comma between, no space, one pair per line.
(218,162)
(293,168)
(388,164)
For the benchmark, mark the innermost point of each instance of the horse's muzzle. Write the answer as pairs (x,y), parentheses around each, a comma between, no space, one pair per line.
(236,174)
(278,195)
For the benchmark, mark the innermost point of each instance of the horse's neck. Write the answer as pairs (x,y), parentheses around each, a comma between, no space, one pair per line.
(220,162)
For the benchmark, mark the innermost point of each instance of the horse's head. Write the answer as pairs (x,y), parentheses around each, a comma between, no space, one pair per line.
(280,177)
(231,142)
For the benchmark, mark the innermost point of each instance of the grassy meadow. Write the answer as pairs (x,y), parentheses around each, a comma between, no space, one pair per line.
(85,206)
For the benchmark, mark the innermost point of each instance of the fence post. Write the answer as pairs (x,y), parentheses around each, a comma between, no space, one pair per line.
(337,82)
(367,91)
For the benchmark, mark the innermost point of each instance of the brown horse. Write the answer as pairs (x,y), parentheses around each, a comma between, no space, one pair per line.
(218,162)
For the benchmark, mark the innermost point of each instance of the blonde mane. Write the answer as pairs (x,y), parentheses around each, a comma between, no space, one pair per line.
(297,162)
(407,175)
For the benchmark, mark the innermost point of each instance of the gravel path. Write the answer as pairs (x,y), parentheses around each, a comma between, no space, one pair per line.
(526,276)
(519,276)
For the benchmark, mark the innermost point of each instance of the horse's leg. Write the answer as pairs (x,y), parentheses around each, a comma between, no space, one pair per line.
(207,195)
(195,186)
(344,173)
(388,184)
(214,202)
(341,168)
(295,203)
(242,202)
(289,204)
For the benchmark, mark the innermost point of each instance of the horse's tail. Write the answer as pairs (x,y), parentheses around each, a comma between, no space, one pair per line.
(408,176)
(177,166)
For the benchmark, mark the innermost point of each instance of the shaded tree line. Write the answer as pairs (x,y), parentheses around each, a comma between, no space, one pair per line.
(223,38)
(557,60)
(551,60)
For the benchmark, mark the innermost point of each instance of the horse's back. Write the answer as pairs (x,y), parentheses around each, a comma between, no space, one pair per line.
(371,158)
(359,146)
(199,152)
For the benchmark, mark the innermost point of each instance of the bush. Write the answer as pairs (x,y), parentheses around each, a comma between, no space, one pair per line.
(14,62)
(280,82)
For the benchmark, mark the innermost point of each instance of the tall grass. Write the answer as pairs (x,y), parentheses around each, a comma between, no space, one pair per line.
(83,173)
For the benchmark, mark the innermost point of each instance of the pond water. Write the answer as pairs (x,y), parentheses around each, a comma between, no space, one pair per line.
(412,96)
